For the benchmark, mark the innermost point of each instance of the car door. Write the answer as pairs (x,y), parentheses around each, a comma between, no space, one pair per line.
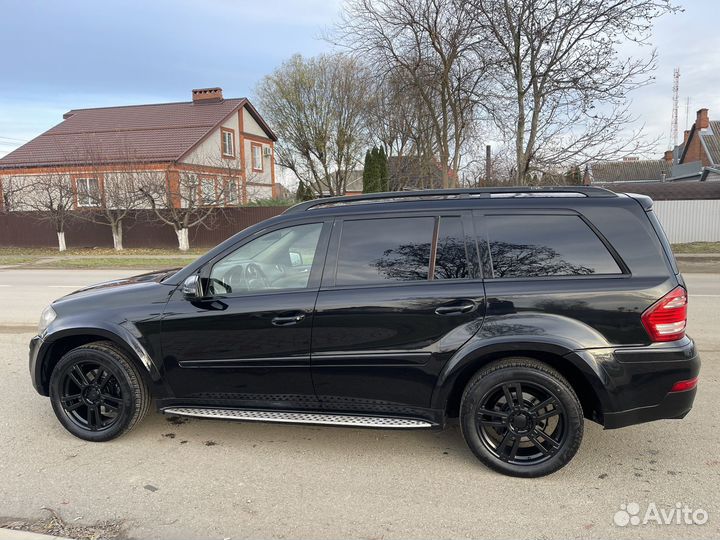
(399,295)
(246,341)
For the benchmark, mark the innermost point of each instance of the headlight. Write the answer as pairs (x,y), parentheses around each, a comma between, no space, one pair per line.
(48,315)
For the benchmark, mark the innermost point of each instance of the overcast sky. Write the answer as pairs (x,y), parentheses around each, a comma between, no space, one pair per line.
(57,56)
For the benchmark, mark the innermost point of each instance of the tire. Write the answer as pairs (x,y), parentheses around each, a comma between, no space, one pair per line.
(528,437)
(98,410)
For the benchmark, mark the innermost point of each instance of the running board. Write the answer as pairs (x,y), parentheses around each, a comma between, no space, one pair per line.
(299,418)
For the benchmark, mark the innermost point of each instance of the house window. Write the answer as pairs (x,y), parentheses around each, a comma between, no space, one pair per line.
(228,142)
(257,159)
(207,191)
(88,192)
(232,196)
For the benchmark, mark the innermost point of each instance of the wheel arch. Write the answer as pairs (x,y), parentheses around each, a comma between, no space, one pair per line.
(585,379)
(57,344)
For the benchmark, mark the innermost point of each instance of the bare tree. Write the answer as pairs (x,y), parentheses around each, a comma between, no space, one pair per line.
(561,84)
(110,194)
(48,197)
(317,106)
(10,189)
(185,200)
(436,47)
(396,116)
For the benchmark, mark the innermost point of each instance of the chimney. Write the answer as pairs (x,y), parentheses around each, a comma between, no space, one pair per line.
(686,134)
(702,120)
(669,156)
(207,95)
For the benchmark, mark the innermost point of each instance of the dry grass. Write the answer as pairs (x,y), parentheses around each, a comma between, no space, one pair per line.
(697,247)
(98,252)
(54,525)
(153,259)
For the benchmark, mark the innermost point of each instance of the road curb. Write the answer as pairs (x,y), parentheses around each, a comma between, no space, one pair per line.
(12,534)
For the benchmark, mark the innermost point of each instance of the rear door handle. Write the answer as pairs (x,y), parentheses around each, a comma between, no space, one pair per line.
(456,309)
(289,320)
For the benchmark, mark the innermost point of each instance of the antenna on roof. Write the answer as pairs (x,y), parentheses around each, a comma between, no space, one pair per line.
(676,95)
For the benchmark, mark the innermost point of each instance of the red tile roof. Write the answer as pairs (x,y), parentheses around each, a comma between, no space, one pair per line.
(148,133)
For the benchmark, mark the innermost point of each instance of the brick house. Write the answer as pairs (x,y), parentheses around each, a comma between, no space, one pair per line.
(701,143)
(221,147)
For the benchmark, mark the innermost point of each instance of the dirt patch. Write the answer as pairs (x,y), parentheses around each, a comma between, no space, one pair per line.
(54,525)
(177,420)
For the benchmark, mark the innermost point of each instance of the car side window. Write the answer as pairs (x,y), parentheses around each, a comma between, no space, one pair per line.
(546,245)
(451,256)
(281,259)
(384,250)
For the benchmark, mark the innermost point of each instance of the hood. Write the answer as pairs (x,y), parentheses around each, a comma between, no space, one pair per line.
(133,281)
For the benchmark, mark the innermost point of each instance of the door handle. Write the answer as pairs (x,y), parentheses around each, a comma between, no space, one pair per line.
(289,320)
(456,309)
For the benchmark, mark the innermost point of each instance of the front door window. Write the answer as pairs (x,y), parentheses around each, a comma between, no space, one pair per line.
(279,260)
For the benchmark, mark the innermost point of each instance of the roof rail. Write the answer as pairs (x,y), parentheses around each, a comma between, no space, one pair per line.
(455,193)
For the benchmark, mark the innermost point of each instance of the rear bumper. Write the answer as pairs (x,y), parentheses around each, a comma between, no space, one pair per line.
(673,405)
(637,381)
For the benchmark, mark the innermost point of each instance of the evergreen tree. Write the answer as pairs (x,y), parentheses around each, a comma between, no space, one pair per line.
(304,192)
(573,176)
(371,178)
(382,165)
(366,173)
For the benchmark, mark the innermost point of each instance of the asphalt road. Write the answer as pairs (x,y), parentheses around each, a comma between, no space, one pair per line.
(25,292)
(219,479)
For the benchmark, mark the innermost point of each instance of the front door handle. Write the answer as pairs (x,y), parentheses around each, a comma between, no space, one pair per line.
(456,309)
(289,320)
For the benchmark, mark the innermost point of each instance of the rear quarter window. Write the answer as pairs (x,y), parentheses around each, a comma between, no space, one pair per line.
(545,245)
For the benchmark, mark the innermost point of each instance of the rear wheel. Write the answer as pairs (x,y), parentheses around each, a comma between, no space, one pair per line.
(521,417)
(97,393)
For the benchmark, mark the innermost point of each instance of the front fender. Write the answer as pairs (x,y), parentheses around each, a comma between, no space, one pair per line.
(125,334)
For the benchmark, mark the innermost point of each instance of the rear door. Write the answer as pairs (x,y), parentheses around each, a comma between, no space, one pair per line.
(399,295)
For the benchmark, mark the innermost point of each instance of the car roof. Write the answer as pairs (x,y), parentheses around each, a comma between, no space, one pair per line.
(431,198)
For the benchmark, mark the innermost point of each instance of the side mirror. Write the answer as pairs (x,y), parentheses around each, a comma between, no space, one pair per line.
(192,287)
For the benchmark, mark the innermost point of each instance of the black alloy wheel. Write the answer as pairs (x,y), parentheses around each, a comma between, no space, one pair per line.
(521,417)
(521,423)
(97,393)
(91,396)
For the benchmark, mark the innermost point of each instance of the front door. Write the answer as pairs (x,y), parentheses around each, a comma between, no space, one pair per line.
(400,295)
(246,343)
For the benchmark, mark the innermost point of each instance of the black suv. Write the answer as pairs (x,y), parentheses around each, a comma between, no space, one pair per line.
(517,311)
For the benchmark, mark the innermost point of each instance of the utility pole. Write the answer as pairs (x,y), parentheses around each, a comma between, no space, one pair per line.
(488,164)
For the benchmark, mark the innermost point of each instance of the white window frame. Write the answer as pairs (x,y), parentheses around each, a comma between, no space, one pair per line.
(228,141)
(234,201)
(259,148)
(206,181)
(90,202)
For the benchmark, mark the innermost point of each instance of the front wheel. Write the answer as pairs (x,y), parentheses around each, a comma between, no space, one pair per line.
(521,417)
(97,393)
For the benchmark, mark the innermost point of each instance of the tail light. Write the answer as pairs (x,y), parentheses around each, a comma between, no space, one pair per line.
(684,386)
(666,319)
